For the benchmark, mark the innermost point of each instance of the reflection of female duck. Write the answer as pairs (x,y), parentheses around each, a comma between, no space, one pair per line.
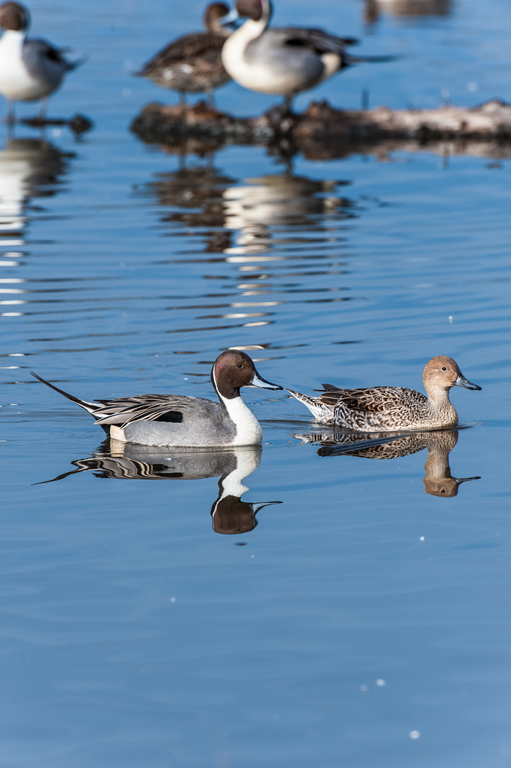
(437,481)
(125,461)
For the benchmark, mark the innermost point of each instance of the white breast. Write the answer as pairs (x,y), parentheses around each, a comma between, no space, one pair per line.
(254,76)
(16,82)
(248,429)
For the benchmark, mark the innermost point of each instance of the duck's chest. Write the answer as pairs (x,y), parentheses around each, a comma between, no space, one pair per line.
(248,429)
(15,79)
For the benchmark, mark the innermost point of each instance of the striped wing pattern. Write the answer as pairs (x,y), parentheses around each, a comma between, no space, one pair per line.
(126,410)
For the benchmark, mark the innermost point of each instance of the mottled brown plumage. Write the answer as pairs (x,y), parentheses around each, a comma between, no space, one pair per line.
(386,409)
(193,63)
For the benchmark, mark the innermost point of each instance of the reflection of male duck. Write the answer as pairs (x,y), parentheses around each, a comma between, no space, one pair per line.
(437,481)
(28,168)
(283,200)
(206,198)
(126,461)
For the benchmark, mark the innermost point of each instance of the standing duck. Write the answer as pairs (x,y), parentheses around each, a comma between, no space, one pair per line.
(30,70)
(193,63)
(187,422)
(387,409)
(282,61)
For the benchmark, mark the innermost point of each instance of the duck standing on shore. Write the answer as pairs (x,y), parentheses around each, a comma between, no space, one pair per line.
(30,69)
(193,63)
(387,409)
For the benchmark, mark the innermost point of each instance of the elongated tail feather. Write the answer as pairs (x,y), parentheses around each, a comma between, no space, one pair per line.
(90,407)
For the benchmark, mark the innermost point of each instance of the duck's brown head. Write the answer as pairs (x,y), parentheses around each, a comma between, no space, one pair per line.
(234,369)
(14,16)
(254,9)
(213,15)
(442,373)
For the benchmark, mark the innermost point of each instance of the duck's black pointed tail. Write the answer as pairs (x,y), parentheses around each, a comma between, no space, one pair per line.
(90,407)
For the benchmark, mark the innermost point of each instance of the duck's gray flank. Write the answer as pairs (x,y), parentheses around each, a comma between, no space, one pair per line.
(382,409)
(282,61)
(177,420)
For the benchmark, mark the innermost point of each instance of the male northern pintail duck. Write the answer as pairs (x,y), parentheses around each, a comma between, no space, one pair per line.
(30,70)
(387,409)
(193,63)
(176,420)
(282,61)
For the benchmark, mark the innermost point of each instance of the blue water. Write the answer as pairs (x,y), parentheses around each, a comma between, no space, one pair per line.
(362,621)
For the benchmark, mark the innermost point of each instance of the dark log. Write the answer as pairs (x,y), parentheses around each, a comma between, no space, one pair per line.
(322,132)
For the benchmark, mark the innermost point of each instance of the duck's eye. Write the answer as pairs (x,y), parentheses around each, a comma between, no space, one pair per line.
(444,368)
(240,365)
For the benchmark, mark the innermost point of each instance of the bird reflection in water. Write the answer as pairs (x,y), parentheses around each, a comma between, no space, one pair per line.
(29,168)
(274,232)
(197,194)
(278,202)
(438,480)
(405,8)
(127,461)
(239,219)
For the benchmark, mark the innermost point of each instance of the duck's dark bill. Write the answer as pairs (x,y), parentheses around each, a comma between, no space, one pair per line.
(461,381)
(257,381)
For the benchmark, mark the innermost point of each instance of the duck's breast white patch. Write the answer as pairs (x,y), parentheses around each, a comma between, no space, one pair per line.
(248,429)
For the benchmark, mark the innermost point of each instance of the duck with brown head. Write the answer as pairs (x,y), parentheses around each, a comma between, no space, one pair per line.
(386,409)
(30,70)
(193,63)
(177,420)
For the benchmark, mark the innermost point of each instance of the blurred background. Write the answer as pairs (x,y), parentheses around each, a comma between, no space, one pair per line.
(365,619)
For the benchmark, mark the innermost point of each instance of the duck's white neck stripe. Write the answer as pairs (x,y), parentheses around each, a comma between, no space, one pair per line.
(248,429)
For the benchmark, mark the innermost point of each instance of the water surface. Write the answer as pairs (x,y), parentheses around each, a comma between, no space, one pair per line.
(362,620)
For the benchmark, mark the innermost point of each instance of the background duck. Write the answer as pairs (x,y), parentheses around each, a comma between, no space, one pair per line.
(383,409)
(193,63)
(30,70)
(176,420)
(282,61)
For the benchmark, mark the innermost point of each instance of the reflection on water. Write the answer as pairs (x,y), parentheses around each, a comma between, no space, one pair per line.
(405,8)
(276,202)
(126,461)
(28,168)
(279,234)
(438,480)
(256,211)
(197,194)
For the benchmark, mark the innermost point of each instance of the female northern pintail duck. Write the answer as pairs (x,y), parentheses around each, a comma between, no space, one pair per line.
(193,63)
(30,70)
(175,420)
(387,409)
(281,61)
